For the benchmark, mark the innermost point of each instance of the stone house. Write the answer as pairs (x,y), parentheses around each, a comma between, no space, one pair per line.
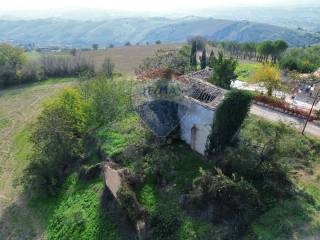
(194,112)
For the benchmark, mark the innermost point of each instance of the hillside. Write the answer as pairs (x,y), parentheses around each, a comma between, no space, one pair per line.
(141,30)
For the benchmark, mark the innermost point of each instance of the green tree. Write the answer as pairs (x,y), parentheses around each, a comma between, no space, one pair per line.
(11,60)
(228,120)
(57,139)
(223,71)
(265,49)
(269,76)
(11,55)
(193,55)
(280,47)
(204,59)
(212,59)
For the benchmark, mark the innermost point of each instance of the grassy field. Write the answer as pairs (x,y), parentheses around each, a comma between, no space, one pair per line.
(19,106)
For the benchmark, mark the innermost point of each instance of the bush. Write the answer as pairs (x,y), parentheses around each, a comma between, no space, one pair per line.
(284,106)
(57,139)
(31,72)
(266,173)
(165,225)
(109,99)
(231,198)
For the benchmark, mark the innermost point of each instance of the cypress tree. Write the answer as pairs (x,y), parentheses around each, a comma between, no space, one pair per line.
(193,57)
(204,59)
(212,59)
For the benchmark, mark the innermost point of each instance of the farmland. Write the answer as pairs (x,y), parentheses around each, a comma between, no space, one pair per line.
(126,58)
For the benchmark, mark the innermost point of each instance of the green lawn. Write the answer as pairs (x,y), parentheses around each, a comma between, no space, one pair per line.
(244,70)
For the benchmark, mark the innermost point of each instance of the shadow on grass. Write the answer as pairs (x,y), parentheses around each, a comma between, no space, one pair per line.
(289,219)
(19,221)
(110,210)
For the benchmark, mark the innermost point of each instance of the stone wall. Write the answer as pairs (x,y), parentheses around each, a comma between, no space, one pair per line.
(195,125)
(113,178)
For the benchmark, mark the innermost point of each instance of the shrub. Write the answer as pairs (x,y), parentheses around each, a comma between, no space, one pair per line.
(232,198)
(57,139)
(267,173)
(228,120)
(269,76)
(284,106)
(109,99)
(164,225)
(31,72)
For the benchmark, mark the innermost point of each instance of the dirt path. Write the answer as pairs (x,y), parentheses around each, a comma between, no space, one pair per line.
(19,106)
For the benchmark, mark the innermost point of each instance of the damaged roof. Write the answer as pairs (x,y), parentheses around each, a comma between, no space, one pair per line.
(201,91)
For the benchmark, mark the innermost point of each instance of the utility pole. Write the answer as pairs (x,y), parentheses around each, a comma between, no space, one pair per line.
(314,103)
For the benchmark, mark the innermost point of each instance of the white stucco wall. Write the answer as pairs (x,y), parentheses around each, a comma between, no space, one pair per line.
(201,118)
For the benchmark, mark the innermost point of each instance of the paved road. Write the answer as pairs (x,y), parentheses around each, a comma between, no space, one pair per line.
(312,128)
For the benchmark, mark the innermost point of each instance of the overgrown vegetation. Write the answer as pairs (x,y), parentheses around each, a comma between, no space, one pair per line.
(58,141)
(180,194)
(176,60)
(78,212)
(228,120)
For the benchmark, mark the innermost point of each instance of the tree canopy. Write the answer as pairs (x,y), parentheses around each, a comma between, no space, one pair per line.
(269,76)
(223,71)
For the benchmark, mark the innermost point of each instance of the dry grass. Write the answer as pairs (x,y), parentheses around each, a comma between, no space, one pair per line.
(19,106)
(126,58)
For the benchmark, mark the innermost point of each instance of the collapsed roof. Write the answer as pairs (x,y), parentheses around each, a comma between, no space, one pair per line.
(201,91)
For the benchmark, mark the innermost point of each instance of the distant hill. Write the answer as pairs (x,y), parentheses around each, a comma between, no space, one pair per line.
(141,30)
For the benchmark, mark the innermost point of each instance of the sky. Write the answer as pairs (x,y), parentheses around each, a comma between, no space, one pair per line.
(139,5)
